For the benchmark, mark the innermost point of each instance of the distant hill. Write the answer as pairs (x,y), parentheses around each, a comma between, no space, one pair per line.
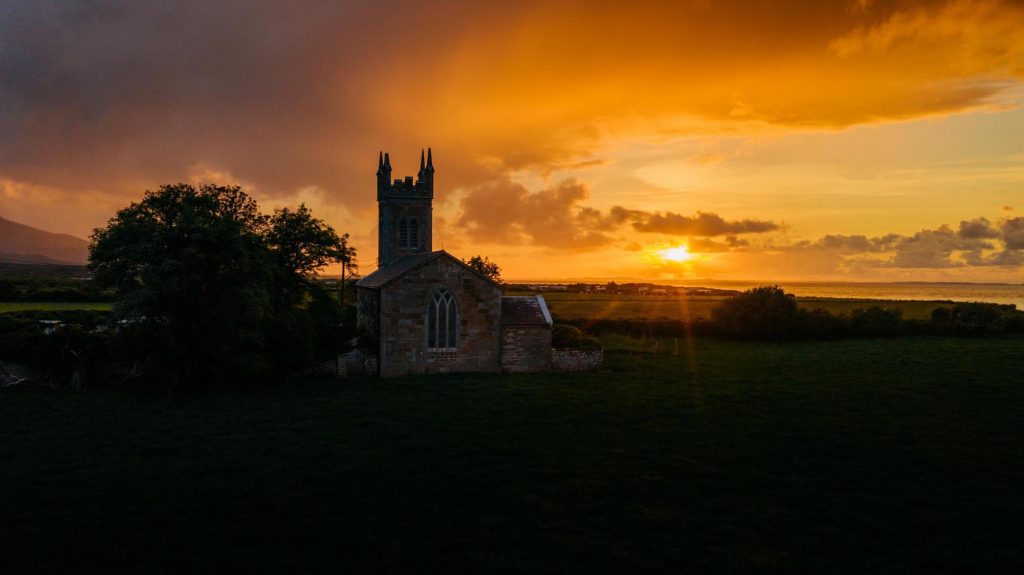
(24,244)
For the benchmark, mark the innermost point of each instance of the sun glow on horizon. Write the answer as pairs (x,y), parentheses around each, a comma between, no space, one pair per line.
(679,254)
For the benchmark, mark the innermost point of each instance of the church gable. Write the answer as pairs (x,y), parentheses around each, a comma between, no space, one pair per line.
(386,275)
(438,316)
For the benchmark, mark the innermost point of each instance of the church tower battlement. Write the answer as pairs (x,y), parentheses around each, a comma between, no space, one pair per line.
(405,210)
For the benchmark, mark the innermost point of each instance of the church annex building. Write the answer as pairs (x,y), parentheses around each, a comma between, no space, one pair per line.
(426,310)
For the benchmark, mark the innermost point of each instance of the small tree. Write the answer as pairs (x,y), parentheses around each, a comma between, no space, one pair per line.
(486,267)
(765,312)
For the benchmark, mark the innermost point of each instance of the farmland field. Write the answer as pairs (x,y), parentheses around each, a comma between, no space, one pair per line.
(613,306)
(600,306)
(858,456)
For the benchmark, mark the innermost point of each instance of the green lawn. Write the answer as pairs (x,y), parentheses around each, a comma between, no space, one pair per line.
(6,306)
(837,457)
(600,306)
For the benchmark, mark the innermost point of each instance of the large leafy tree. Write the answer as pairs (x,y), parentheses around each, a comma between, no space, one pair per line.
(303,245)
(210,282)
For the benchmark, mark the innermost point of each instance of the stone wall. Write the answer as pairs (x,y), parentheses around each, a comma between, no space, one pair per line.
(392,210)
(576,359)
(403,313)
(525,348)
(368,312)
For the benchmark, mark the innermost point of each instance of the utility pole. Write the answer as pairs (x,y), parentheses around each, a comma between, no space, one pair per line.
(342,298)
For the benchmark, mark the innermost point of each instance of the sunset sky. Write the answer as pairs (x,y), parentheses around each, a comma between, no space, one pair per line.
(850,140)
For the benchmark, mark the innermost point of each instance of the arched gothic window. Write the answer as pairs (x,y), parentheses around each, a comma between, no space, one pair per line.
(442,320)
(414,233)
(403,233)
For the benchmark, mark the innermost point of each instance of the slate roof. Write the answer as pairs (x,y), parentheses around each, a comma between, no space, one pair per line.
(524,310)
(396,269)
(386,275)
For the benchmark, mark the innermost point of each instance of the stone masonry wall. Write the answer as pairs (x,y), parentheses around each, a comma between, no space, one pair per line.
(525,348)
(368,311)
(576,359)
(391,211)
(403,313)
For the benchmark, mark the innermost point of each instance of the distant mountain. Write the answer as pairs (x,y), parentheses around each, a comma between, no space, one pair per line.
(24,244)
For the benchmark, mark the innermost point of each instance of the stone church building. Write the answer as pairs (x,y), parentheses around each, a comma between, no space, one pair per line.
(427,311)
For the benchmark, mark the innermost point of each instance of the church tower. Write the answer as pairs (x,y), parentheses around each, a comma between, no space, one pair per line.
(405,210)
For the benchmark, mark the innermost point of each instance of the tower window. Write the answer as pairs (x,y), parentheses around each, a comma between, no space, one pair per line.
(403,233)
(442,320)
(414,234)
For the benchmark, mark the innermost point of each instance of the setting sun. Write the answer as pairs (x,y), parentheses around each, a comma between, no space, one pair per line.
(677,254)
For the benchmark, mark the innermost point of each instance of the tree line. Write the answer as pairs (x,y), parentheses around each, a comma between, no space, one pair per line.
(768,313)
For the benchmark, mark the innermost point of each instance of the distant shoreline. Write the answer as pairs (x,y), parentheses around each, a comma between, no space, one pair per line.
(704,281)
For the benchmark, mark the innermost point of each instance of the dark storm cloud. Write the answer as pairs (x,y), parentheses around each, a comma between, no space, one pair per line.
(110,94)
(101,92)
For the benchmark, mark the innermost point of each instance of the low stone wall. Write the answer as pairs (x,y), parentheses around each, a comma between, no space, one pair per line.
(576,359)
(13,374)
(525,349)
(355,363)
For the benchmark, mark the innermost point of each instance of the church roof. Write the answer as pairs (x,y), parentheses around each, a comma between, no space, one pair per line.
(524,310)
(398,268)
(385,274)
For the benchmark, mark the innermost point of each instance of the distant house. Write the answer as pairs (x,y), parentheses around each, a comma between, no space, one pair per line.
(51,326)
(427,311)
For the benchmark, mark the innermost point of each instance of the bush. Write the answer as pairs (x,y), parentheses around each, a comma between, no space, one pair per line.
(974,318)
(760,313)
(876,321)
(821,324)
(7,290)
(569,337)
(71,355)
(564,336)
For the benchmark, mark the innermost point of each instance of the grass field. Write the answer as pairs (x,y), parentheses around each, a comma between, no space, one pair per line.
(839,457)
(600,306)
(52,306)
(596,306)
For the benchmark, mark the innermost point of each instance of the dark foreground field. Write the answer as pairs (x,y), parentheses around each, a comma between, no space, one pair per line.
(864,456)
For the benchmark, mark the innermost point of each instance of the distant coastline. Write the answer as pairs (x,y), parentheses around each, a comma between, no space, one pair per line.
(710,281)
